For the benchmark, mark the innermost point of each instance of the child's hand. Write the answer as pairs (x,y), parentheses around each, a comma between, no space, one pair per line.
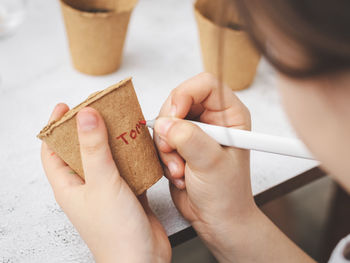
(212,182)
(109,217)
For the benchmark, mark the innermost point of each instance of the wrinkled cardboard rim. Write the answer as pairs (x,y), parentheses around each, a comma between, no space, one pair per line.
(88,14)
(209,21)
(48,129)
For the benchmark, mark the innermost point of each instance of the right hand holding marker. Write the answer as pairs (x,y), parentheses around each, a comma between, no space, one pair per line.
(210,184)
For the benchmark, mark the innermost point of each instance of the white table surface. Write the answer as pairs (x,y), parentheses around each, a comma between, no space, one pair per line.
(162,50)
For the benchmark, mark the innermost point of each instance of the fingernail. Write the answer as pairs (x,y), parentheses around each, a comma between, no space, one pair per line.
(86,121)
(162,126)
(58,105)
(172,166)
(173,111)
(179,183)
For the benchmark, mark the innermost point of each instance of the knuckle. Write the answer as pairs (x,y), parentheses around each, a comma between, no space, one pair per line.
(92,148)
(184,132)
(161,145)
(177,93)
(209,78)
(207,75)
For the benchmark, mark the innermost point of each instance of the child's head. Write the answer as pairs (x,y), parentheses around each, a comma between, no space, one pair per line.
(308,42)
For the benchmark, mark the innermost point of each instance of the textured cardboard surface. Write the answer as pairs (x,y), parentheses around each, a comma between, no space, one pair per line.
(131,144)
(239,58)
(96,32)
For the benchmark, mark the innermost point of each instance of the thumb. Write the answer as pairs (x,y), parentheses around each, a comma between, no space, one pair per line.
(199,150)
(96,156)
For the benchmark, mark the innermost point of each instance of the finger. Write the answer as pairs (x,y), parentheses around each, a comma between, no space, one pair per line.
(182,101)
(234,117)
(203,94)
(193,91)
(173,163)
(49,159)
(203,89)
(98,164)
(170,158)
(58,173)
(169,109)
(179,182)
(199,150)
(162,145)
(59,110)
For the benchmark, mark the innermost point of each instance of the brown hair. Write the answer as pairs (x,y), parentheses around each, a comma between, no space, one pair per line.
(320,27)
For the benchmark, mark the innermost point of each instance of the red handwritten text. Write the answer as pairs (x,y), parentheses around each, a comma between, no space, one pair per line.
(132,134)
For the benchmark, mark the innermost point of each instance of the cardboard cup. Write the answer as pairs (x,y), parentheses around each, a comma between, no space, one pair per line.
(117,6)
(131,145)
(238,58)
(96,32)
